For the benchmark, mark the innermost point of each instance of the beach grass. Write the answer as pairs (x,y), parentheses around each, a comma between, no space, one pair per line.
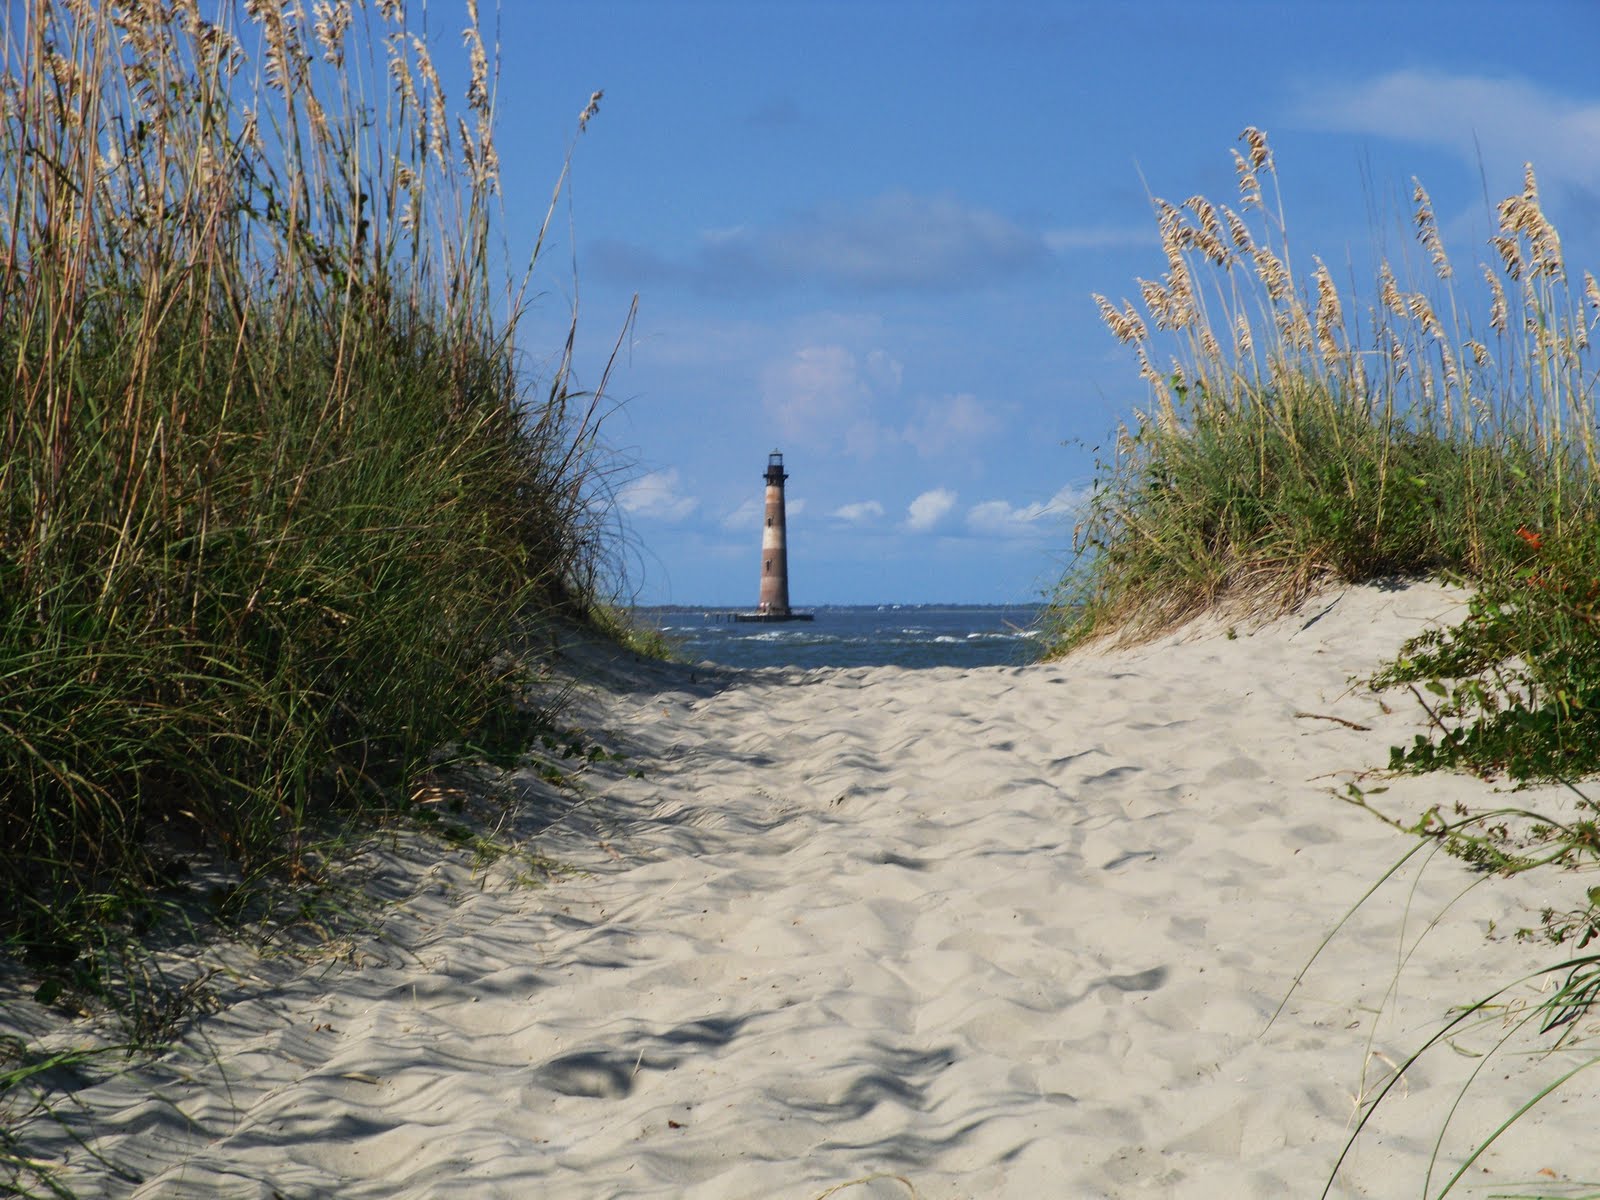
(278,487)
(1299,435)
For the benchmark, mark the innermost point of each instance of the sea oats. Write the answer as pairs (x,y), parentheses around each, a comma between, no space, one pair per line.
(1169,224)
(1428,230)
(468,154)
(330,23)
(1158,303)
(1206,213)
(1521,216)
(1330,315)
(1243,344)
(1249,184)
(1214,248)
(1389,290)
(1480,352)
(1357,375)
(478,61)
(488,153)
(1260,153)
(1146,371)
(589,110)
(1510,250)
(250,129)
(1421,311)
(435,132)
(1497,301)
(1294,325)
(1452,379)
(1125,325)
(1238,231)
(1272,273)
(400,71)
(1180,288)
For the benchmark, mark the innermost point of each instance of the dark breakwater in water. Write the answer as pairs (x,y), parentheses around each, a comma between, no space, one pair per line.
(902,635)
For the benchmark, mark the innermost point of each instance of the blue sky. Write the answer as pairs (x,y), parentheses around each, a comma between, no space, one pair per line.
(867,234)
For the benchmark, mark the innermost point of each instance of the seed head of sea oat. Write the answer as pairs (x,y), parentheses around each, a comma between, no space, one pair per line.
(1249,184)
(1238,232)
(478,77)
(1294,326)
(1124,325)
(1422,313)
(330,21)
(1428,230)
(400,71)
(1522,216)
(1389,290)
(1208,239)
(1497,301)
(1510,254)
(1330,315)
(590,109)
(1448,361)
(1242,343)
(1272,273)
(1260,153)
(1158,302)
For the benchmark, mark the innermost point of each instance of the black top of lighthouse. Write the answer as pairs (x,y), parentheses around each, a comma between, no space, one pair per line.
(775,473)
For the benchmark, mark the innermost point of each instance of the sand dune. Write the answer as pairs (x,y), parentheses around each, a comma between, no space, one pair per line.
(1004,932)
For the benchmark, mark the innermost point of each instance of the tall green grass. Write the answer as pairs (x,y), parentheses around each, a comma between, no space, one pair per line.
(275,487)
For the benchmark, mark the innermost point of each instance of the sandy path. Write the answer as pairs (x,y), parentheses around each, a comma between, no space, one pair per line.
(1006,932)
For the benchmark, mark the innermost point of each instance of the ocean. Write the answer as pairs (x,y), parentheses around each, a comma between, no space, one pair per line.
(902,635)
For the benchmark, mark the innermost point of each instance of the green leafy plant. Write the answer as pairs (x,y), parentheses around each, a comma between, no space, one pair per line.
(1515,688)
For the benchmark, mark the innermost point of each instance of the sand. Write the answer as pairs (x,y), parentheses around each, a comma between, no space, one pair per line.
(1009,932)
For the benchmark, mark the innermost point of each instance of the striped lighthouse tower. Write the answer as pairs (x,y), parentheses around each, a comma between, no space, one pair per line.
(774,547)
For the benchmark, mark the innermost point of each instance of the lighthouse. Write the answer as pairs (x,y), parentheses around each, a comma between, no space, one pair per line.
(774,602)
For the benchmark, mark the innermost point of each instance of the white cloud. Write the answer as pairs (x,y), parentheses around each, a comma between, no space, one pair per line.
(860,513)
(814,393)
(746,516)
(1506,121)
(997,518)
(928,509)
(819,397)
(655,496)
(949,423)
